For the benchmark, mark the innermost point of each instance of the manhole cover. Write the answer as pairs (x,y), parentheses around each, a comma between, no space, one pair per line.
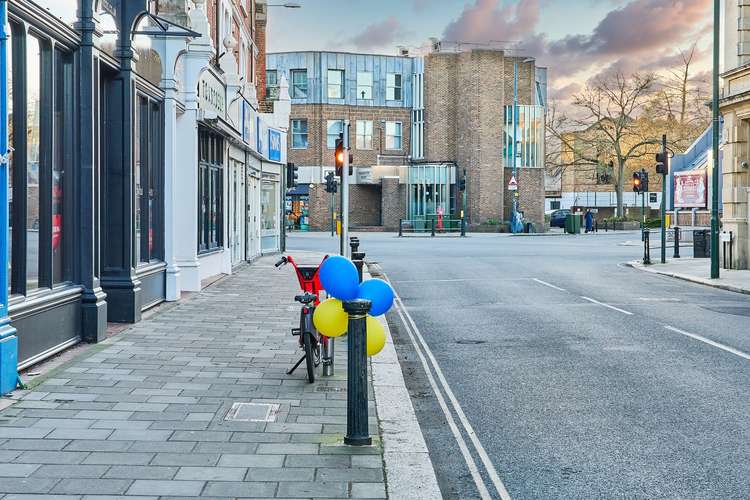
(326,388)
(470,342)
(253,412)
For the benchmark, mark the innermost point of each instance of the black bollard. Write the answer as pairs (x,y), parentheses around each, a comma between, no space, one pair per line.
(646,247)
(400,227)
(354,244)
(433,228)
(359,260)
(463,227)
(357,431)
(676,243)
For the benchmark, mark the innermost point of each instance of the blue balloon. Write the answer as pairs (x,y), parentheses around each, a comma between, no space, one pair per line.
(379,293)
(339,278)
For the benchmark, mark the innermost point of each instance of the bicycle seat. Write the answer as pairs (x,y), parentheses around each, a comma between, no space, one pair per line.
(306,298)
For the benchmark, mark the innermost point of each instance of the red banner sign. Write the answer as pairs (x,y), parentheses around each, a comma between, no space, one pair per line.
(690,189)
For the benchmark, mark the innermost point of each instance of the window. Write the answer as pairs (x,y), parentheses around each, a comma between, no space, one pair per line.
(335,84)
(364,134)
(299,134)
(299,84)
(41,108)
(210,191)
(272,84)
(364,86)
(334,128)
(392,135)
(393,87)
(147,141)
(554,205)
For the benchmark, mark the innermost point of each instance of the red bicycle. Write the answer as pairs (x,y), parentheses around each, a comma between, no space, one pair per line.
(310,340)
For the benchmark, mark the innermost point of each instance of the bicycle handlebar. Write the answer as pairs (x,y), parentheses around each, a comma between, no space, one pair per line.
(281,262)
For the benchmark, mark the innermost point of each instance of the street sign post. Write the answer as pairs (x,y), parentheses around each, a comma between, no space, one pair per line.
(513,184)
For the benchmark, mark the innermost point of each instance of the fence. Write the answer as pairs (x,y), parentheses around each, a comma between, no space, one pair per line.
(432,226)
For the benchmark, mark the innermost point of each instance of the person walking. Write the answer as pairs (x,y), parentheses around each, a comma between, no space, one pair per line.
(589,218)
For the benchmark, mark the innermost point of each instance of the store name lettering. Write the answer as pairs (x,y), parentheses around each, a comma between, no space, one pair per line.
(212,97)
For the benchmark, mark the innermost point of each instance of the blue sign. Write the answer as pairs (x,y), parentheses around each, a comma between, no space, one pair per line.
(274,145)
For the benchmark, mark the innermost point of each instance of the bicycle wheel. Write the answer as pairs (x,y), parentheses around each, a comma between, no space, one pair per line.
(309,356)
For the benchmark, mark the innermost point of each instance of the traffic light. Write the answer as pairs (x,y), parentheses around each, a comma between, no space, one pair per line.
(331,185)
(339,156)
(637,182)
(462,183)
(644,181)
(662,163)
(291,175)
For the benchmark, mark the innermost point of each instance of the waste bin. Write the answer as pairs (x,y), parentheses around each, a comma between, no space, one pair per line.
(573,223)
(702,244)
(528,227)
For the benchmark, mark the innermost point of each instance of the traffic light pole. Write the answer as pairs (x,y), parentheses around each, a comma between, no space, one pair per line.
(715,146)
(332,204)
(343,246)
(664,200)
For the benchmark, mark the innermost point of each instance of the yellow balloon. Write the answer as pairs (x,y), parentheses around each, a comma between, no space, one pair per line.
(375,336)
(330,319)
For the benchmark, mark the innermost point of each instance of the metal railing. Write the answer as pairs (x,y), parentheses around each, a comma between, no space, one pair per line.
(432,226)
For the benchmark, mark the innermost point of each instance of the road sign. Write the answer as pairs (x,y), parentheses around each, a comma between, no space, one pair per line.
(512,184)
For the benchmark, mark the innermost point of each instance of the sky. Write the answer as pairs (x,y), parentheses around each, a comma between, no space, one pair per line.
(576,39)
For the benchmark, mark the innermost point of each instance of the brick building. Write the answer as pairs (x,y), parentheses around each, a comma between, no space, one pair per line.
(417,124)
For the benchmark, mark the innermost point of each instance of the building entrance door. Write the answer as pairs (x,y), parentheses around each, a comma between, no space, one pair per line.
(430,190)
(253,222)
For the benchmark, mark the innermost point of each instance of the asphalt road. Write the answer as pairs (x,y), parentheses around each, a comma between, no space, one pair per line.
(579,376)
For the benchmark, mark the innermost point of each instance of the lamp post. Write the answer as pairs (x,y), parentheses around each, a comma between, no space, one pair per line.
(514,149)
(286,5)
(715,154)
(8,339)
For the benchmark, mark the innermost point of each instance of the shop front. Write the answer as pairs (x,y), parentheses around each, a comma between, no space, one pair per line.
(271,146)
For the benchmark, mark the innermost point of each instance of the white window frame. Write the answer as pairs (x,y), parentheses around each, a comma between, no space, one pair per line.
(364,85)
(364,134)
(331,144)
(390,136)
(390,91)
(339,86)
(306,133)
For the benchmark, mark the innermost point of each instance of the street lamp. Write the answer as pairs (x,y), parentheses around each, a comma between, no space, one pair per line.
(286,5)
(514,152)
(715,146)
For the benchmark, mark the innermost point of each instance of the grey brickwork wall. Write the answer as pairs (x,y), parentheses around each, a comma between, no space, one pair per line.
(364,206)
(531,195)
(393,202)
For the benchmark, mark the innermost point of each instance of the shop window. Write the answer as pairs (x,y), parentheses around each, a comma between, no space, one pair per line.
(334,129)
(299,134)
(147,141)
(335,84)
(393,135)
(364,85)
(299,84)
(210,191)
(364,134)
(42,109)
(393,87)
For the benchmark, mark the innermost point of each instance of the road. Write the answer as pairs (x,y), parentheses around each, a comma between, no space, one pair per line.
(580,377)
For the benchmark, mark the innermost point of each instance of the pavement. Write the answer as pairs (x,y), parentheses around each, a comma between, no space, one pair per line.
(551,366)
(194,402)
(699,271)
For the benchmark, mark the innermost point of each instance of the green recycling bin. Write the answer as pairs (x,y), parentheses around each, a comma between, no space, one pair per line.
(573,224)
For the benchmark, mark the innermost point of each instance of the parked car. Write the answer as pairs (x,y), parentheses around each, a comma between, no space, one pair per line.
(557,219)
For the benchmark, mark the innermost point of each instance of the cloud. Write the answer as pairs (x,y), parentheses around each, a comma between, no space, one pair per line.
(566,92)
(634,35)
(420,5)
(378,35)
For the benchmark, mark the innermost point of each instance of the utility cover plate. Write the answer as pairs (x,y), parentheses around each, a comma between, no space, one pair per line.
(253,412)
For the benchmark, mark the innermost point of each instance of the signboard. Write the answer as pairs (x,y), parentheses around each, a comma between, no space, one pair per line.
(725,237)
(274,145)
(652,198)
(212,95)
(248,124)
(690,189)
(513,184)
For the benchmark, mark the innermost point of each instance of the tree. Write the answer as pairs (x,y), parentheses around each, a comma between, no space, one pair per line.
(608,110)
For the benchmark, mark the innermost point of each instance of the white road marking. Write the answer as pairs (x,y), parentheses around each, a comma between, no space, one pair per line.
(458,280)
(607,305)
(658,299)
(419,345)
(548,284)
(709,342)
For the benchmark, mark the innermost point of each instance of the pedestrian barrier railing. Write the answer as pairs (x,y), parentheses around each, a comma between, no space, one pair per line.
(432,226)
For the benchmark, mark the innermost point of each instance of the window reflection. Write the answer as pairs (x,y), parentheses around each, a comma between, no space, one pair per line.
(10,155)
(61,153)
(33,101)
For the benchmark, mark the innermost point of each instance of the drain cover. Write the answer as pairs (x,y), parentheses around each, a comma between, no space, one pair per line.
(253,412)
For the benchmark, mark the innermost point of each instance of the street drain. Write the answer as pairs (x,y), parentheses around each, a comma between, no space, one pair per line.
(327,388)
(470,342)
(253,412)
